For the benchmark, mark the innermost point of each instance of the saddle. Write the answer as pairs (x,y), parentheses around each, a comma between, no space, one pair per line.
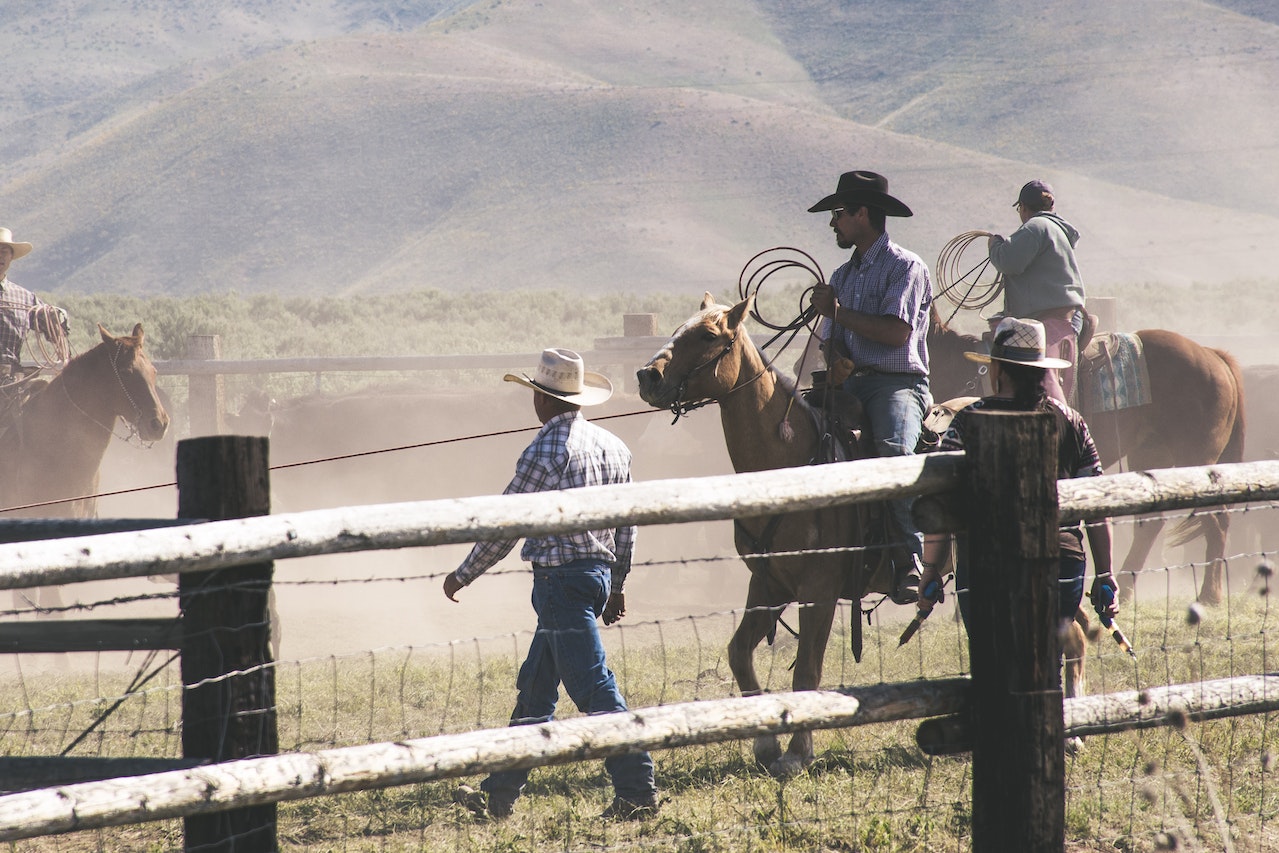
(14,394)
(1113,374)
(847,435)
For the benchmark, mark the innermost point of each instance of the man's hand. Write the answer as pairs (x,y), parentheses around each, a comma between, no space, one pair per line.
(1105,598)
(452,585)
(823,299)
(931,580)
(615,609)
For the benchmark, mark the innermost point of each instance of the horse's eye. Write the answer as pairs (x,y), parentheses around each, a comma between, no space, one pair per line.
(710,336)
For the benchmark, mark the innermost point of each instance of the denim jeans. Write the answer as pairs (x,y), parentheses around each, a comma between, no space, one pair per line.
(567,649)
(895,403)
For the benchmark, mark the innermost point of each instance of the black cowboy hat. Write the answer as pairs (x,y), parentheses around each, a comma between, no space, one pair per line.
(861,187)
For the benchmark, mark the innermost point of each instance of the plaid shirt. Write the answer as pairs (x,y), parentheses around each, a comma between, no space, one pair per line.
(887,282)
(15,320)
(568,453)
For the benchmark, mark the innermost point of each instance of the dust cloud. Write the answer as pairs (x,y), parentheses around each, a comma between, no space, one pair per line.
(348,603)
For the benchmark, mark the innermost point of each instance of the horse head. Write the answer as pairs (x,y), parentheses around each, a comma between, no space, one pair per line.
(134,396)
(701,361)
(950,374)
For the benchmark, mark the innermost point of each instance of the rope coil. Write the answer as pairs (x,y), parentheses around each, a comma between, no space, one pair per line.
(965,288)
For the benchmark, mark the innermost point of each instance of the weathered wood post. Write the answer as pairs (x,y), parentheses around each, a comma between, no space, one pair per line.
(1016,724)
(228,707)
(205,394)
(639,341)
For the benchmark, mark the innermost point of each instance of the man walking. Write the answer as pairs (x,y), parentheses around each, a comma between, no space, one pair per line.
(577,578)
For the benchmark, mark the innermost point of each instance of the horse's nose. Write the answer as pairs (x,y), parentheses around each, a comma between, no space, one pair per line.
(648,376)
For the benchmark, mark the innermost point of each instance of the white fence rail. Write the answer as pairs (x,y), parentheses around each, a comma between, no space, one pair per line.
(220,544)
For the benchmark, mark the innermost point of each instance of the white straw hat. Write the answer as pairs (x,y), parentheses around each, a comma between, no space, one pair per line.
(561,374)
(1019,341)
(19,249)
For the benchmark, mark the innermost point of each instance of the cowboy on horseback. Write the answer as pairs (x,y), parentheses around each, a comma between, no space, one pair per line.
(21,311)
(1042,281)
(877,310)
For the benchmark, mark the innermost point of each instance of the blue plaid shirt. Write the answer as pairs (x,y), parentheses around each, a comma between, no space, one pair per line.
(568,453)
(15,320)
(889,281)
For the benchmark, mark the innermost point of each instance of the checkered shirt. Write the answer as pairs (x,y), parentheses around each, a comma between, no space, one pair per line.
(16,320)
(569,452)
(889,281)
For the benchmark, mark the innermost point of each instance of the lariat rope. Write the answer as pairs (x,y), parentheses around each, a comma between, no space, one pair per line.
(749,281)
(756,271)
(51,349)
(954,281)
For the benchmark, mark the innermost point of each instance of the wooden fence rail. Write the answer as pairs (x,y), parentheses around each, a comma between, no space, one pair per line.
(219,544)
(991,500)
(296,776)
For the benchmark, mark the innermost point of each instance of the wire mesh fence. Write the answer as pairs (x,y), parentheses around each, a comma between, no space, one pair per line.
(1189,785)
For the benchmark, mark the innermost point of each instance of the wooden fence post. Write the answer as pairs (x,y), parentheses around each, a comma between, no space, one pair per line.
(205,394)
(1018,733)
(228,706)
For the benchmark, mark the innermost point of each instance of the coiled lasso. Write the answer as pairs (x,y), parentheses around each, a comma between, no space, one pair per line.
(967,287)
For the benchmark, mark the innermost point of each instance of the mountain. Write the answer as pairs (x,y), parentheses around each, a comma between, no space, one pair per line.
(355,147)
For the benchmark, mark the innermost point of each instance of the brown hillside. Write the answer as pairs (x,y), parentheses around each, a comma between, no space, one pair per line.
(637,146)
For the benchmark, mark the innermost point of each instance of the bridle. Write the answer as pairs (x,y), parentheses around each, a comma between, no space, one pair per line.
(679,407)
(137,410)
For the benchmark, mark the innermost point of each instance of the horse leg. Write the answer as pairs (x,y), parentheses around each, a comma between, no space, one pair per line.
(814,631)
(1215,528)
(1145,531)
(756,623)
(1074,648)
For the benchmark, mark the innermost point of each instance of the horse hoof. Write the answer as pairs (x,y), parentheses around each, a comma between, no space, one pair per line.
(767,752)
(788,766)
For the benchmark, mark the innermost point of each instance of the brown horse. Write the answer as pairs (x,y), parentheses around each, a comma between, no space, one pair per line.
(711,357)
(54,447)
(1195,417)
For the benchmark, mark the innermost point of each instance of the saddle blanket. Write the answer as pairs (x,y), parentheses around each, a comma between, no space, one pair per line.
(1113,374)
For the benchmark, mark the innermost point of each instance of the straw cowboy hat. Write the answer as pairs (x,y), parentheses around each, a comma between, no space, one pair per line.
(861,187)
(19,249)
(1019,342)
(561,374)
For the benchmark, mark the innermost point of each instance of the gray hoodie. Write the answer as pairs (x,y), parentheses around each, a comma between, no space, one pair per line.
(1039,268)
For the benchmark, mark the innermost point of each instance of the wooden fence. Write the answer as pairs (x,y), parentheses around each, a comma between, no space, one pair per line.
(1009,503)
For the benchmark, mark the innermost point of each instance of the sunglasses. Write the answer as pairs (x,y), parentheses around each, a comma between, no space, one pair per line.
(845,211)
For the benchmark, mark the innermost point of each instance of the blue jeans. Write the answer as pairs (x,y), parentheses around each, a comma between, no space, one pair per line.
(895,404)
(567,649)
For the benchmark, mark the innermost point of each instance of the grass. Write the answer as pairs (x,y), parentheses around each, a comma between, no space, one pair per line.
(870,789)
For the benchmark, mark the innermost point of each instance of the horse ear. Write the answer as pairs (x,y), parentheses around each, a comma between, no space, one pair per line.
(707,300)
(137,333)
(739,311)
(107,337)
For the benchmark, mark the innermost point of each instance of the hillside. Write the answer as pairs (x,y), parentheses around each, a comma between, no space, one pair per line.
(350,148)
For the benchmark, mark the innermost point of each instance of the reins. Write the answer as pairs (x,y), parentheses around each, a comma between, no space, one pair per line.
(137,410)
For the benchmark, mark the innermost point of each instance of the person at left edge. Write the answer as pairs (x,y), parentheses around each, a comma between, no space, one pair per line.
(21,310)
(877,307)
(577,578)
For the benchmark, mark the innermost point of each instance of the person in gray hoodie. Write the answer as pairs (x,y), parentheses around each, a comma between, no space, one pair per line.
(1042,281)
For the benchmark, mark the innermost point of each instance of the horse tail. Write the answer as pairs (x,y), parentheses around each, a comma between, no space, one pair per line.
(1233,451)
(1196,525)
